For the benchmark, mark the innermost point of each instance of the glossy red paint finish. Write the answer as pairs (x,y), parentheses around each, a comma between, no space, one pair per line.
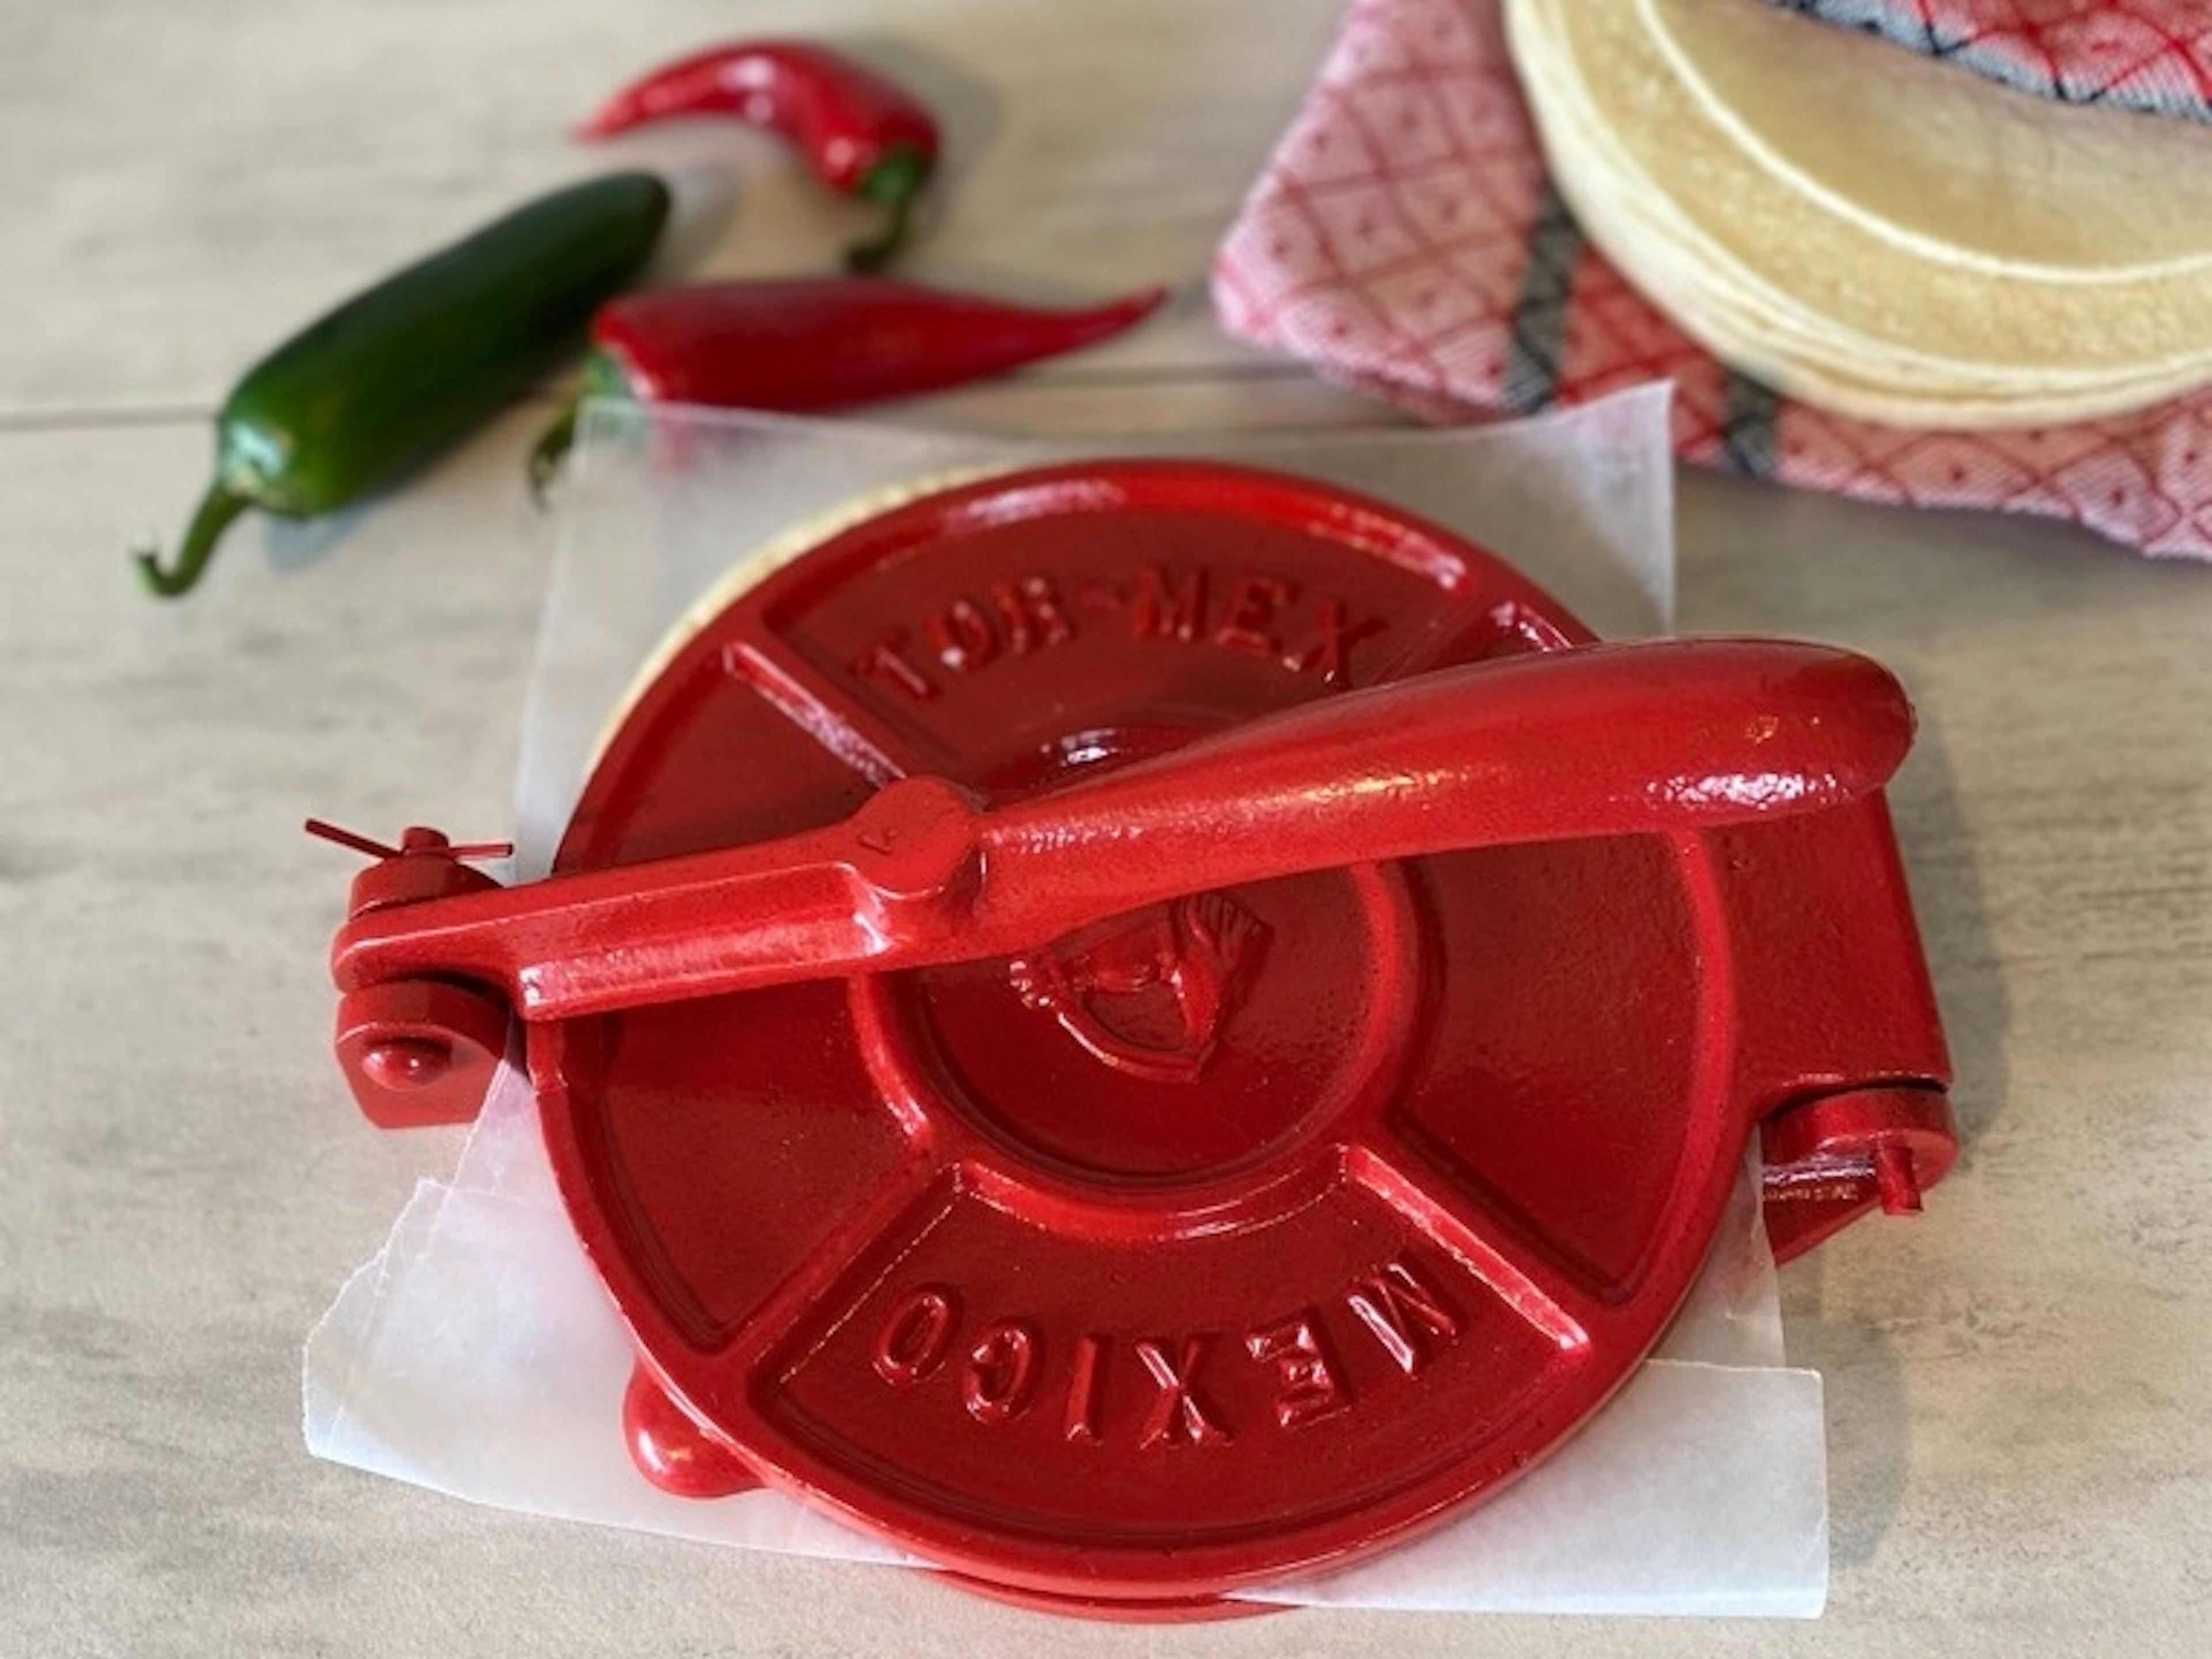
(671,1451)
(1670,737)
(1142,1028)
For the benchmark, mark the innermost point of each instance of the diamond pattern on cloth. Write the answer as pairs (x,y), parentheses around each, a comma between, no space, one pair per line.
(2155,56)
(1450,279)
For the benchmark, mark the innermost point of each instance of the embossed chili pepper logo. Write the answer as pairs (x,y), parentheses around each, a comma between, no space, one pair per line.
(1148,994)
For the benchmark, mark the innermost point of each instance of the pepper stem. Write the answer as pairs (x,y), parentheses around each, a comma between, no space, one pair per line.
(894,182)
(216,509)
(552,445)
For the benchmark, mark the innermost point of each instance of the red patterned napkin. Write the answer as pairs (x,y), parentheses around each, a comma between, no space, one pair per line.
(2153,55)
(1405,237)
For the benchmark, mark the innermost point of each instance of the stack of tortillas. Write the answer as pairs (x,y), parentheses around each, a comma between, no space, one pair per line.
(1869,231)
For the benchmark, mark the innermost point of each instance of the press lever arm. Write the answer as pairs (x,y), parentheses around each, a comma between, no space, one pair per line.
(1669,736)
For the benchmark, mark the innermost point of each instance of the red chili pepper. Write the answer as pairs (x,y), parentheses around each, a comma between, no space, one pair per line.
(801,344)
(865,135)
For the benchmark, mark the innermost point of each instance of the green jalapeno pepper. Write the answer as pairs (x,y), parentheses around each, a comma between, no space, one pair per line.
(378,385)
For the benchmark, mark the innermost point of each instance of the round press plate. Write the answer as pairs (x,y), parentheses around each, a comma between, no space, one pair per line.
(1222,1242)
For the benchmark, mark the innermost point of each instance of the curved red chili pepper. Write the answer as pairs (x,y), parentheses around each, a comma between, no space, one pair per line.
(817,343)
(864,134)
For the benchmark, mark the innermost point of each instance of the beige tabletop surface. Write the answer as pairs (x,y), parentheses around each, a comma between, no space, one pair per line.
(2019,1385)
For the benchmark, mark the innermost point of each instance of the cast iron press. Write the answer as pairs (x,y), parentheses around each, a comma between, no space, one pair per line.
(1142,1028)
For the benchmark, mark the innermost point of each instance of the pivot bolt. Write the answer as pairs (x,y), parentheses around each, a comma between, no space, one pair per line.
(420,1052)
(402,1062)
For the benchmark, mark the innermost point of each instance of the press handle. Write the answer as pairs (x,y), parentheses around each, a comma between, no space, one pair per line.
(1601,740)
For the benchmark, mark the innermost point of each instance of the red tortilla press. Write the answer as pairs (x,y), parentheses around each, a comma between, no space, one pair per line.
(1142,1028)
